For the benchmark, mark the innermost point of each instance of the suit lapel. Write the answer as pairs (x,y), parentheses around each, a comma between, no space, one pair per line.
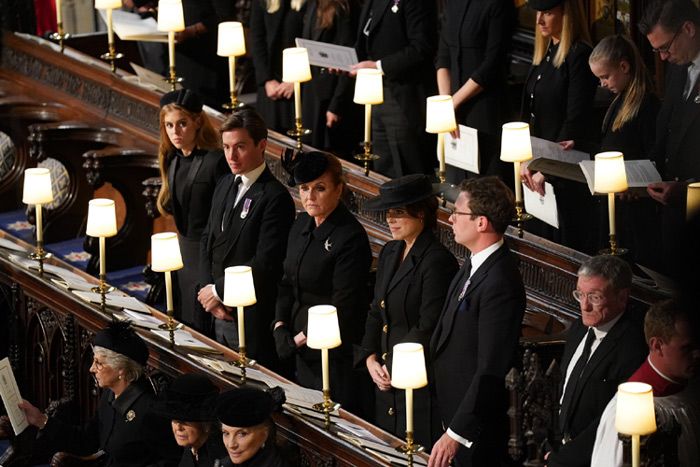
(171,175)
(379,8)
(574,337)
(249,202)
(191,175)
(392,258)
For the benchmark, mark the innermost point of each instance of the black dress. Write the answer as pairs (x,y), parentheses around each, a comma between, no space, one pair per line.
(327,265)
(558,103)
(208,455)
(126,429)
(268,456)
(408,297)
(192,181)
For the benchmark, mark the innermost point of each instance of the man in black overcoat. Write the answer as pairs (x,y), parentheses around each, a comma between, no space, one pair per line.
(475,341)
(248,225)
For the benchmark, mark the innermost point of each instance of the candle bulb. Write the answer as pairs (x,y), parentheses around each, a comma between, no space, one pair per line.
(110,29)
(59,14)
(368,122)
(325,370)
(232,74)
(39,224)
(409,410)
(169,287)
(103,257)
(518,182)
(241,327)
(171,48)
(441,151)
(297,100)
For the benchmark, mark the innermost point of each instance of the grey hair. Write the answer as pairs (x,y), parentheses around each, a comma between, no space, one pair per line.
(611,268)
(132,370)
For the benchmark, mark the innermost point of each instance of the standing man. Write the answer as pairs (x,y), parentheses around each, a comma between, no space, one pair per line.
(248,225)
(673,30)
(602,350)
(475,340)
(398,38)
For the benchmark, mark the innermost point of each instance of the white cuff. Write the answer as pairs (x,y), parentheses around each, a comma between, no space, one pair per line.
(463,441)
(379,66)
(213,291)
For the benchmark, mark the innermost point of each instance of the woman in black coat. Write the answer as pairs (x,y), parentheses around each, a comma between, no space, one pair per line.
(413,274)
(327,105)
(274,24)
(190,164)
(558,103)
(327,263)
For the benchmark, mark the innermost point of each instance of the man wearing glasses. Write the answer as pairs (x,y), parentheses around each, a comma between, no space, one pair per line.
(673,30)
(476,337)
(602,350)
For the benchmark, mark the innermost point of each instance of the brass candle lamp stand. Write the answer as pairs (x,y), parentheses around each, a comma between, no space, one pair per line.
(60,36)
(366,156)
(298,132)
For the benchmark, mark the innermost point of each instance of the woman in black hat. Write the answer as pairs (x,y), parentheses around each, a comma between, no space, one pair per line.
(189,403)
(125,426)
(413,274)
(191,163)
(558,104)
(327,263)
(247,428)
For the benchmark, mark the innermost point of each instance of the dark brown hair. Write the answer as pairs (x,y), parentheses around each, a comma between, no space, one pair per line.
(425,209)
(490,197)
(246,119)
(669,14)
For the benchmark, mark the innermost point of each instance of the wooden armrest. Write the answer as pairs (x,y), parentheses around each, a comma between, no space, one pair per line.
(65,459)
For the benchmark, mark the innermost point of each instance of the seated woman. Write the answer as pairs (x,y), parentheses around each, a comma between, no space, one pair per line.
(247,428)
(413,274)
(191,162)
(189,403)
(327,263)
(125,427)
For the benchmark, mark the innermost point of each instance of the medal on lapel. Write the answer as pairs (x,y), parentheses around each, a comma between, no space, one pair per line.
(395,7)
(130,415)
(327,244)
(697,98)
(246,207)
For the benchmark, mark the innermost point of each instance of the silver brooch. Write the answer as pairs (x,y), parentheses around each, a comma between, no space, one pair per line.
(395,8)
(327,244)
(130,415)
(697,99)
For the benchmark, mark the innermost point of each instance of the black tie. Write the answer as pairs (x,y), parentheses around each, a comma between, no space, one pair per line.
(231,201)
(467,274)
(573,381)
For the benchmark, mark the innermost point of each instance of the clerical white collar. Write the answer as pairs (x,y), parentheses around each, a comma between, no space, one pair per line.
(659,373)
(478,259)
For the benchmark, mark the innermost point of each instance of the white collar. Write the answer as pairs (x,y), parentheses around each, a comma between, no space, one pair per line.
(602,330)
(252,176)
(478,259)
(659,373)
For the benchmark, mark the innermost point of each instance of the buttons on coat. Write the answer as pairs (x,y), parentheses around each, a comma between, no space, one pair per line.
(384,356)
(381,304)
(385,329)
(390,411)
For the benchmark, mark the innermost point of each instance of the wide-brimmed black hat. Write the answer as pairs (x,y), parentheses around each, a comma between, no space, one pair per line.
(304,167)
(119,337)
(184,98)
(543,5)
(246,406)
(190,398)
(401,191)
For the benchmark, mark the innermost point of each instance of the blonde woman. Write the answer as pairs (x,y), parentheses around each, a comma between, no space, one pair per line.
(190,164)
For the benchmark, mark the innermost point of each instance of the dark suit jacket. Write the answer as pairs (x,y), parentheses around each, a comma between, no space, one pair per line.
(405,42)
(678,129)
(472,348)
(259,240)
(129,432)
(614,360)
(192,211)
(473,44)
(408,297)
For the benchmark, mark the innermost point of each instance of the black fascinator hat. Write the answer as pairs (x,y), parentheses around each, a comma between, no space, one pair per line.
(119,337)
(190,398)
(184,98)
(246,406)
(400,192)
(304,167)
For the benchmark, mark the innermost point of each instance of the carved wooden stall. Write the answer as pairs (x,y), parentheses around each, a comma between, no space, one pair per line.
(58,325)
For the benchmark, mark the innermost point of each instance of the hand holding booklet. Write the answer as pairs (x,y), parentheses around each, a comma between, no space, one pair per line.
(11,397)
(328,55)
(640,173)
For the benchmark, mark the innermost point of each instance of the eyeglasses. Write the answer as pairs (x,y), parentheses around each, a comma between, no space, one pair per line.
(664,49)
(455,212)
(98,364)
(594,298)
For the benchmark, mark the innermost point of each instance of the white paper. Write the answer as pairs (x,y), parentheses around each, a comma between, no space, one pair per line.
(11,397)
(184,339)
(74,285)
(114,300)
(542,207)
(463,152)
(10,245)
(131,27)
(149,79)
(328,55)
(640,173)
(139,319)
(551,150)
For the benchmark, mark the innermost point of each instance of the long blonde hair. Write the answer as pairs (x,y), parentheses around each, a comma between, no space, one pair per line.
(614,50)
(207,138)
(573,29)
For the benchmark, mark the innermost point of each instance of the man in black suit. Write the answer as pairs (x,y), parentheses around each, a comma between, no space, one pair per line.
(602,351)
(475,340)
(399,39)
(673,30)
(248,225)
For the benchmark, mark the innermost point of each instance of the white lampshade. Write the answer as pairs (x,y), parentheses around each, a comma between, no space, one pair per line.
(440,115)
(635,409)
(610,175)
(107,4)
(295,65)
(165,252)
(37,186)
(239,289)
(102,218)
(170,16)
(693,200)
(231,39)
(515,142)
(408,366)
(322,327)
(368,87)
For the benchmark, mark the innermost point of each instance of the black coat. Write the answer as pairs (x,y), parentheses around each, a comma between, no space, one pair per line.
(125,428)
(405,42)
(268,456)
(472,349)
(208,455)
(270,33)
(615,359)
(258,240)
(408,297)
